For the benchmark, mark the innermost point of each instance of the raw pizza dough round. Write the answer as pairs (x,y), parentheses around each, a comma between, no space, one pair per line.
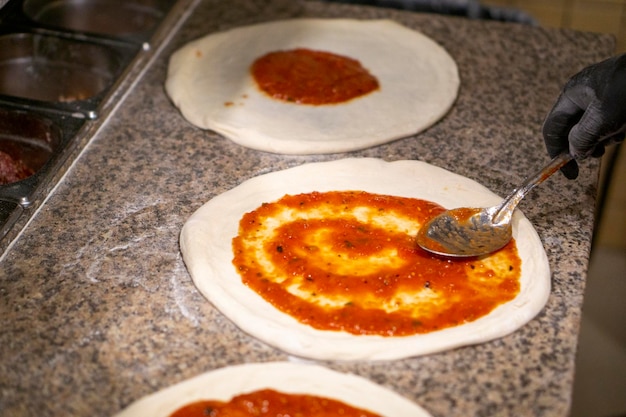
(209,81)
(293,378)
(206,245)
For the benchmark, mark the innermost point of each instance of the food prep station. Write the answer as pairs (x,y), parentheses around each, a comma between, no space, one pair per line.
(96,306)
(63,66)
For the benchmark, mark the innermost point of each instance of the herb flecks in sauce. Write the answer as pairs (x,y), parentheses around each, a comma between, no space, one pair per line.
(366,275)
(304,76)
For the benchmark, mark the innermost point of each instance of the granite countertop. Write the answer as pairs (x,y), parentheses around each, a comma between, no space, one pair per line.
(97,308)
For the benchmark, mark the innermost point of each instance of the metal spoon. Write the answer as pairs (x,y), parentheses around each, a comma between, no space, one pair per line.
(463,232)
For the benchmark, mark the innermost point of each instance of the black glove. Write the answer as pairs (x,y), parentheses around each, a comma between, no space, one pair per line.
(589,114)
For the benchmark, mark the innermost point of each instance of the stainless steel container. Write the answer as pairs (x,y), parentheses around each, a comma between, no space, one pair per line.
(61,63)
(134,19)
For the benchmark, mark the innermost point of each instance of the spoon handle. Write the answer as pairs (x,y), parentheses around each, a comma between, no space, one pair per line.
(505,211)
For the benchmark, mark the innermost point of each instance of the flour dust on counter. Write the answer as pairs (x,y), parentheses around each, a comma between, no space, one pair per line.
(310,389)
(313,86)
(321,262)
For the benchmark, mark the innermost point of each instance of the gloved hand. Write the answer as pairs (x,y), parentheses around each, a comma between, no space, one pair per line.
(589,114)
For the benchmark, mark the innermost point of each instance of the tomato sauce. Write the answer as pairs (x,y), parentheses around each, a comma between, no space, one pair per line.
(464,214)
(271,403)
(305,76)
(339,262)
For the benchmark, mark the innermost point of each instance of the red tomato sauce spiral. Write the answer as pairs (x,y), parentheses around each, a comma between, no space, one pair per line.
(335,265)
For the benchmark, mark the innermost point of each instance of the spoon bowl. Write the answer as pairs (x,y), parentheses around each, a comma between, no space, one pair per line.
(465,232)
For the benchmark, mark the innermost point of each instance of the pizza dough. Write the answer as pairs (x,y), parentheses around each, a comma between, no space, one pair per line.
(293,378)
(206,245)
(209,81)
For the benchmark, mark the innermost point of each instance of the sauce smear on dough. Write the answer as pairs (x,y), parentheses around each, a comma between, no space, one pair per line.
(271,403)
(348,261)
(312,77)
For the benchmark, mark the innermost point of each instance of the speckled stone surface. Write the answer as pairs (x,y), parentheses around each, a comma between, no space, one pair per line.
(97,308)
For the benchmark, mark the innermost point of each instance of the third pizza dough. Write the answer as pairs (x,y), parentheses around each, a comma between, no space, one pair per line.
(297,378)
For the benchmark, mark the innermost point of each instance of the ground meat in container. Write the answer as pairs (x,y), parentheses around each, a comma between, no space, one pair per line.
(12,170)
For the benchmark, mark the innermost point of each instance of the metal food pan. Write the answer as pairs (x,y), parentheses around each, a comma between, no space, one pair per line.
(129,20)
(10,212)
(57,73)
(27,142)
(124,18)
(32,144)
